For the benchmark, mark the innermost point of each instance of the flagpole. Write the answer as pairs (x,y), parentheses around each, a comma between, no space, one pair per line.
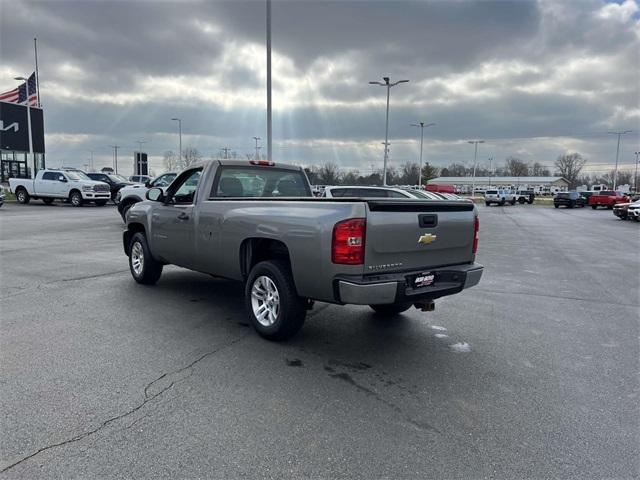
(35,49)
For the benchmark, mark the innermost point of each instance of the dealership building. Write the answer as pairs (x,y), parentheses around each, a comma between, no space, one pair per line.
(537,184)
(15,139)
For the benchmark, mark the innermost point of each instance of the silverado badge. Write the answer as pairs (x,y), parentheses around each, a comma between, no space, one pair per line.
(427,238)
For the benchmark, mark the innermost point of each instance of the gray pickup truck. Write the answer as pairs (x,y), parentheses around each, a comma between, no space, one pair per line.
(257,222)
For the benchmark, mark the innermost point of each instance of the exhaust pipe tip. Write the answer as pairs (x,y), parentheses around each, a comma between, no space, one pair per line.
(427,306)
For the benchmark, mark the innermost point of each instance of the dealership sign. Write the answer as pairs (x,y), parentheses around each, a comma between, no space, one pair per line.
(14,134)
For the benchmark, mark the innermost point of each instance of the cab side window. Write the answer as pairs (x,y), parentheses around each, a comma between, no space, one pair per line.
(50,176)
(185,190)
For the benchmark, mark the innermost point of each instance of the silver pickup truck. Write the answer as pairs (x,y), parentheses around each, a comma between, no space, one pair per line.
(257,222)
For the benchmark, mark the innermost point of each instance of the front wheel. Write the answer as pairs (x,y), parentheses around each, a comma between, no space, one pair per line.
(391,309)
(144,268)
(521,201)
(22,196)
(274,307)
(76,199)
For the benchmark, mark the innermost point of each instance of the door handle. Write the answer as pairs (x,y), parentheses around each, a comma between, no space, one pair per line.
(183,216)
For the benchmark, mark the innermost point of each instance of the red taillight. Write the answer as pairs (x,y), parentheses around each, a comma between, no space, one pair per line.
(264,163)
(476,229)
(347,246)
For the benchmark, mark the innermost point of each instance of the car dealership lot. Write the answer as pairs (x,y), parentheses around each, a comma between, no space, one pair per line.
(533,373)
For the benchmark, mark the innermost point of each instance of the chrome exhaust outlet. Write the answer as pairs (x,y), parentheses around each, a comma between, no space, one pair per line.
(426,306)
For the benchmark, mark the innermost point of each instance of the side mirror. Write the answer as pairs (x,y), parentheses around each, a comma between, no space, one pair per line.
(155,195)
(62,178)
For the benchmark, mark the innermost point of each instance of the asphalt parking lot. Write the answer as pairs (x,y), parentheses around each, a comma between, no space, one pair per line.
(533,373)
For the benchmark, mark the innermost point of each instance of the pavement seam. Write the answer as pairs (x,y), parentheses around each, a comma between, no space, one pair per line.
(147,398)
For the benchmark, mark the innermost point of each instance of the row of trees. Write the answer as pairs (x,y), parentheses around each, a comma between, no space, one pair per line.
(569,166)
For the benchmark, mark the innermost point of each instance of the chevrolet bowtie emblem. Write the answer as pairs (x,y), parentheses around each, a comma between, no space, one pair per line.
(427,238)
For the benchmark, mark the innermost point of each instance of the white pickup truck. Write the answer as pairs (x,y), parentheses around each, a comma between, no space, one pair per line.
(50,185)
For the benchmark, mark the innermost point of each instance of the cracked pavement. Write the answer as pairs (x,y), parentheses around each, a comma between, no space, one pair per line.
(103,377)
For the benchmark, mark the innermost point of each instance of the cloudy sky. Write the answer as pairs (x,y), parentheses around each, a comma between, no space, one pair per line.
(534,79)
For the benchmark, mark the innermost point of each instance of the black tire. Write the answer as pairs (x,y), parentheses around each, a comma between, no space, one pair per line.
(47,201)
(572,204)
(149,270)
(22,196)
(291,311)
(556,205)
(594,207)
(521,200)
(125,209)
(502,202)
(530,202)
(391,309)
(100,203)
(513,201)
(487,203)
(76,198)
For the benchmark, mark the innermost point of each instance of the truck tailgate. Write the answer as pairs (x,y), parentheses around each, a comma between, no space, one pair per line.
(410,235)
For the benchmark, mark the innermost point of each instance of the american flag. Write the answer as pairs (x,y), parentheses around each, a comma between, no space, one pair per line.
(28,91)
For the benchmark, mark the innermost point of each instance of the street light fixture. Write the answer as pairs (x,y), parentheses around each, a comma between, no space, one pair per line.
(387,83)
(422,126)
(475,161)
(179,120)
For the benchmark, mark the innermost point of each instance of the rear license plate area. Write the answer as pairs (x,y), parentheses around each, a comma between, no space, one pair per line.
(420,280)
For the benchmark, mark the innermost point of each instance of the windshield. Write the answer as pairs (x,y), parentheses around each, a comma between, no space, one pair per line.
(117,178)
(492,192)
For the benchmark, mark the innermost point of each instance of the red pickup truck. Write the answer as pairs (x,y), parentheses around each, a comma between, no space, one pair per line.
(607,198)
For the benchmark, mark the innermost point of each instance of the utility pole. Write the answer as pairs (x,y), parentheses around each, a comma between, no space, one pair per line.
(387,84)
(475,162)
(615,172)
(422,126)
(635,177)
(257,147)
(269,125)
(226,151)
(490,171)
(115,156)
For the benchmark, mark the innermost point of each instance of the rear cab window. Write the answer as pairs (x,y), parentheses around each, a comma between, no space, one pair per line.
(259,182)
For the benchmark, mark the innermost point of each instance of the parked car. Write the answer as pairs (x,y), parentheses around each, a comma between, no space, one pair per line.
(115,182)
(257,222)
(525,196)
(569,199)
(499,197)
(621,210)
(606,198)
(633,212)
(131,194)
(140,179)
(51,184)
(366,192)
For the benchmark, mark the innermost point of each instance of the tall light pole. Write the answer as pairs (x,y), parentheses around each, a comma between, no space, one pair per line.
(422,126)
(179,120)
(257,147)
(269,147)
(31,160)
(140,142)
(475,162)
(615,172)
(387,83)
(115,156)
(635,177)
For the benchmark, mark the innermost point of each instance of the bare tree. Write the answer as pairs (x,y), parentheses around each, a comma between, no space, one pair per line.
(454,170)
(170,160)
(329,174)
(539,170)
(409,173)
(569,166)
(351,177)
(190,156)
(625,177)
(516,167)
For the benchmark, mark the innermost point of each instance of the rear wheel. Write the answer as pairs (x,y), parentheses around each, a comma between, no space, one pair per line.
(47,201)
(521,200)
(22,196)
(76,199)
(274,307)
(391,309)
(144,268)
